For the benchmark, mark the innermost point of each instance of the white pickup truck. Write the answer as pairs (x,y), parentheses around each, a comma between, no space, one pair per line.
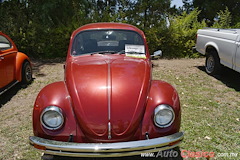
(221,47)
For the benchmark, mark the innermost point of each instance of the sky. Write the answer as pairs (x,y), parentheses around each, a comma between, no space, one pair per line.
(178,3)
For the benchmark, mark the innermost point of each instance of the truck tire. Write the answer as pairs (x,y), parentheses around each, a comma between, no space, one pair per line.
(212,63)
(26,73)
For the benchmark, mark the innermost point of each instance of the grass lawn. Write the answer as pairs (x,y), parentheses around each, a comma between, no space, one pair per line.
(210,108)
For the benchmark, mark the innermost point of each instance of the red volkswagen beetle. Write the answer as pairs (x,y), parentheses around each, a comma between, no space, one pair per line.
(108,105)
(14,66)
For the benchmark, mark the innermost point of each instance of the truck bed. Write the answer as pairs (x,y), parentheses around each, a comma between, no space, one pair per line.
(234,31)
(221,44)
(229,34)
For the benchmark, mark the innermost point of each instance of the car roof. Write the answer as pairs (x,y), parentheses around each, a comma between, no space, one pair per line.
(107,25)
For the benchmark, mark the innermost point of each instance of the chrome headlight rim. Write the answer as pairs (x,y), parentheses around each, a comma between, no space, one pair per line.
(160,108)
(55,109)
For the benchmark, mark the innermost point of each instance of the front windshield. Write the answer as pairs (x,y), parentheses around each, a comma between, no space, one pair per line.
(107,41)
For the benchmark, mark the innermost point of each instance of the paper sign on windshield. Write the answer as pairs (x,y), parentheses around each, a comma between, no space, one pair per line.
(134,48)
(135,51)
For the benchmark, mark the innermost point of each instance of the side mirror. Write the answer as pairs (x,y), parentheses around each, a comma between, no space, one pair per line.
(156,54)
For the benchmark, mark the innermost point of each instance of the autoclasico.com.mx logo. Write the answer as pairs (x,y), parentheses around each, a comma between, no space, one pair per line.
(188,154)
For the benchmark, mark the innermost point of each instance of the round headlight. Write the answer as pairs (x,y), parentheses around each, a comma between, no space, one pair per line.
(163,116)
(52,118)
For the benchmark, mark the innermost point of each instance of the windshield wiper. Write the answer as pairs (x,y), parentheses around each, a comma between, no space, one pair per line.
(104,52)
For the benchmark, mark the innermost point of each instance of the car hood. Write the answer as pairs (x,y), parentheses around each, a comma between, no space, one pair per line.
(108,95)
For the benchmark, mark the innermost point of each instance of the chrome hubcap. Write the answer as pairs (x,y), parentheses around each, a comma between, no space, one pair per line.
(210,64)
(28,73)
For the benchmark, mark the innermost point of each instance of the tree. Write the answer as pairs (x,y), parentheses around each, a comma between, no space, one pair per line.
(52,23)
(209,9)
(14,20)
(42,28)
(187,6)
(223,20)
(149,12)
(180,36)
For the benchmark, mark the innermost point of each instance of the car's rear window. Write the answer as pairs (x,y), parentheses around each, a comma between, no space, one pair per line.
(4,43)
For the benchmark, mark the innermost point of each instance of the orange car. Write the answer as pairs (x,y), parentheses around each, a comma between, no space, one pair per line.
(14,66)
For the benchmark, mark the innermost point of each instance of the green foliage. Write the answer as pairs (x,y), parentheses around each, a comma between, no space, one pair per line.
(223,20)
(237,25)
(149,13)
(13,18)
(210,9)
(150,16)
(42,28)
(180,36)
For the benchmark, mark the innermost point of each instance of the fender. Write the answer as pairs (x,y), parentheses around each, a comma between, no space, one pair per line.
(20,59)
(55,94)
(211,44)
(161,93)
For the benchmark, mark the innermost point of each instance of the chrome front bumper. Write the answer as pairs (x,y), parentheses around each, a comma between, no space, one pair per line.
(118,149)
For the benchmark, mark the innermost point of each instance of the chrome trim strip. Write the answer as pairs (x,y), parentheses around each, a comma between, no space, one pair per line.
(118,149)
(109,91)
(109,130)
(8,87)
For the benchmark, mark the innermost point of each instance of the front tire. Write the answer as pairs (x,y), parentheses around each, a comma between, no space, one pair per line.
(212,64)
(26,73)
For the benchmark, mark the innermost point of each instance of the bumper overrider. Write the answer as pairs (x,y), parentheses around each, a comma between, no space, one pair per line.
(117,149)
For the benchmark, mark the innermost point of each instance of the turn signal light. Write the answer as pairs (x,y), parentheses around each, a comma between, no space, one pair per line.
(39,147)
